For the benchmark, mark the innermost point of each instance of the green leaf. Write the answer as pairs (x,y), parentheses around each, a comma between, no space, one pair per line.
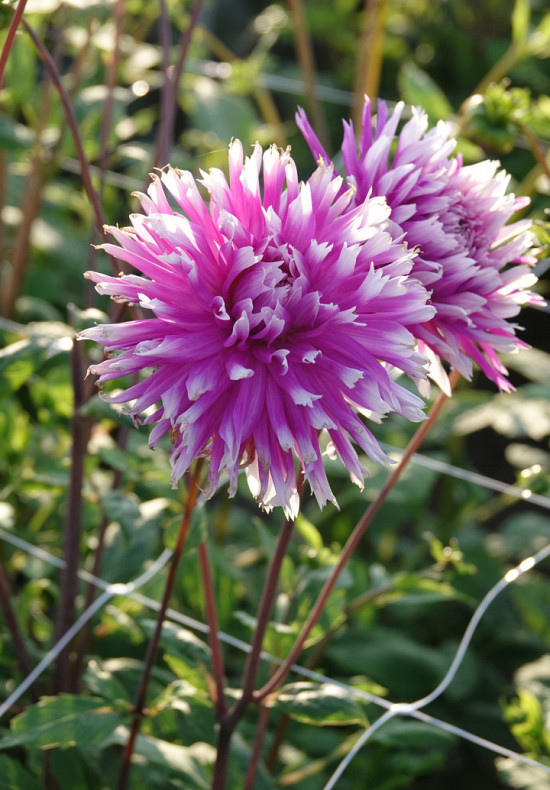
(101,681)
(63,721)
(14,777)
(309,532)
(417,88)
(408,734)
(185,671)
(320,705)
(186,761)
(71,771)
(181,642)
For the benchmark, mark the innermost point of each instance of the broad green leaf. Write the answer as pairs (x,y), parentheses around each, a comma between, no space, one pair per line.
(417,88)
(320,705)
(14,777)
(181,641)
(71,771)
(186,761)
(410,734)
(63,721)
(188,672)
(101,680)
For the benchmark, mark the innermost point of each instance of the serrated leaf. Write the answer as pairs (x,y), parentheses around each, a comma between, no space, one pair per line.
(63,721)
(14,777)
(321,705)
(417,88)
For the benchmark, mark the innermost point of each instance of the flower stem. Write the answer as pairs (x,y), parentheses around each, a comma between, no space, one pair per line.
(155,639)
(212,620)
(73,522)
(257,748)
(73,126)
(228,722)
(351,545)
(12,30)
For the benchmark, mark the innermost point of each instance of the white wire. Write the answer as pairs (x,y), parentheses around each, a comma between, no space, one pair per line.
(111,591)
(318,677)
(407,708)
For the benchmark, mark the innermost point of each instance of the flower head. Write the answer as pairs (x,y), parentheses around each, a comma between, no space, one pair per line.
(271,311)
(454,218)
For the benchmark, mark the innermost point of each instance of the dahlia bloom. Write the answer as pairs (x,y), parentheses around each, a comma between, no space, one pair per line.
(455,219)
(270,313)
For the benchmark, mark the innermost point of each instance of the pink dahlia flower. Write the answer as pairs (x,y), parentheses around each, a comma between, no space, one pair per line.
(271,312)
(455,219)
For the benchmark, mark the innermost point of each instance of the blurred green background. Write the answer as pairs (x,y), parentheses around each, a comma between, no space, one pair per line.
(437,545)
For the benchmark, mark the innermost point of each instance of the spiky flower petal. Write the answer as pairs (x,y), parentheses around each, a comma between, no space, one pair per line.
(455,218)
(271,311)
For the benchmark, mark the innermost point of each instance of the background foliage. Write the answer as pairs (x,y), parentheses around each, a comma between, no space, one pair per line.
(438,544)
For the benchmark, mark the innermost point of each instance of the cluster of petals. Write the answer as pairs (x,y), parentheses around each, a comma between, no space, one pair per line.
(274,311)
(455,219)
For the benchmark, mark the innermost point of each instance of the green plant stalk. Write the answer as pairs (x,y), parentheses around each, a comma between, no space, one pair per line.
(501,68)
(213,625)
(152,647)
(536,148)
(369,61)
(351,545)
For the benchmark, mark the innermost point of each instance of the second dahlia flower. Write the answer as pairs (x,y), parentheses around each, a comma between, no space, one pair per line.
(455,219)
(270,311)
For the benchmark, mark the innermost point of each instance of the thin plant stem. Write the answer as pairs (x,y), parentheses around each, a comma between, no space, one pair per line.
(85,633)
(75,132)
(19,646)
(73,522)
(502,67)
(213,625)
(152,647)
(351,545)
(8,43)
(228,722)
(370,55)
(107,118)
(306,60)
(536,148)
(170,97)
(257,748)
